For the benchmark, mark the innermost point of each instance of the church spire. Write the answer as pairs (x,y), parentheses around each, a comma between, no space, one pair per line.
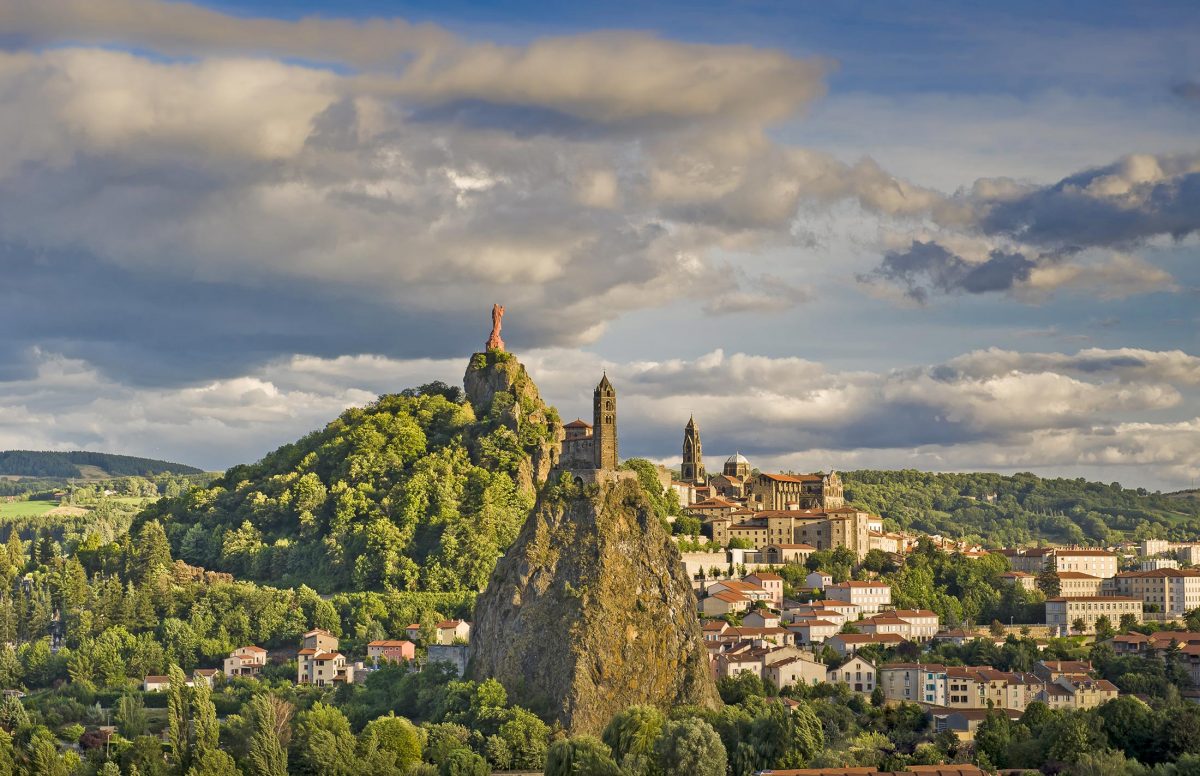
(693,458)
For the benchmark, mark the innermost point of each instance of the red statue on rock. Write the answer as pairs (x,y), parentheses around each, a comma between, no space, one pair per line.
(494,342)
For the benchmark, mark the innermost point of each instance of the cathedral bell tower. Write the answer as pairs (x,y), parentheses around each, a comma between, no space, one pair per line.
(693,458)
(604,427)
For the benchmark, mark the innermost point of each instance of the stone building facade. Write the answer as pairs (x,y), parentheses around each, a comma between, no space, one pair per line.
(797,491)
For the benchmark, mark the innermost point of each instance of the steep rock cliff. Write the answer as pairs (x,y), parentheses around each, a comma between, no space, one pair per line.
(500,390)
(590,611)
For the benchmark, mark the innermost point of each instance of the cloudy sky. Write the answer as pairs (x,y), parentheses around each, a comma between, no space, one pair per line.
(842,234)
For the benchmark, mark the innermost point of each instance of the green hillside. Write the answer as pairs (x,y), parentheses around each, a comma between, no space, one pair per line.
(414,492)
(79,464)
(996,510)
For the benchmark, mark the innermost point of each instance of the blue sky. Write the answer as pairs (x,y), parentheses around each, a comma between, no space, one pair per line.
(942,235)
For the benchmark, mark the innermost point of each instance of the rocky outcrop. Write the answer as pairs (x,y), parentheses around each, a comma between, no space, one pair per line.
(500,390)
(590,612)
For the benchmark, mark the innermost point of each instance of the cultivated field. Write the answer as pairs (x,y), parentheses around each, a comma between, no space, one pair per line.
(26,508)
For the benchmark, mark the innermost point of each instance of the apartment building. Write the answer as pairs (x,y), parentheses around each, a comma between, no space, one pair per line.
(1170,591)
(857,672)
(1061,613)
(1073,584)
(870,597)
(319,663)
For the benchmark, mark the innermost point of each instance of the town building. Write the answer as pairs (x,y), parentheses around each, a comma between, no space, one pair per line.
(799,669)
(319,663)
(391,651)
(849,643)
(822,529)
(817,491)
(245,661)
(1020,578)
(914,682)
(1034,560)
(156,683)
(724,602)
(772,583)
(1061,613)
(813,631)
(818,580)
(206,676)
(1074,584)
(451,631)
(870,597)
(1172,592)
(857,672)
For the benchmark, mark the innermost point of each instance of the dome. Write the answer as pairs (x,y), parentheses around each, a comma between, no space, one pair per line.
(737,458)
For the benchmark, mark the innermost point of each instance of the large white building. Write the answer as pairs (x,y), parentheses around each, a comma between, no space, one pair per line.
(870,597)
(1169,591)
(1061,613)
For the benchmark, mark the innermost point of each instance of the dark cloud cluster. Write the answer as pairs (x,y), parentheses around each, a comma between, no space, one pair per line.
(926,266)
(1119,205)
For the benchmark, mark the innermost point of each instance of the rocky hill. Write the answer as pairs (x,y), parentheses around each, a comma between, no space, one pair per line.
(420,490)
(590,612)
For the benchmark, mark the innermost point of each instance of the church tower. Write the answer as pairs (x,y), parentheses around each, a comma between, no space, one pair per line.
(693,458)
(604,429)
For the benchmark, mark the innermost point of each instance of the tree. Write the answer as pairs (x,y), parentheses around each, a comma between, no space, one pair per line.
(206,731)
(1104,628)
(1078,625)
(690,747)
(580,756)
(464,762)
(1127,621)
(1103,762)
(397,736)
(323,743)
(267,755)
(632,734)
(213,762)
(131,716)
(178,702)
(144,757)
(1049,582)
(13,716)
(525,736)
(153,550)
(997,629)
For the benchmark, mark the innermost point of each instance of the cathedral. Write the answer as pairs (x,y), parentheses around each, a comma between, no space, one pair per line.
(739,482)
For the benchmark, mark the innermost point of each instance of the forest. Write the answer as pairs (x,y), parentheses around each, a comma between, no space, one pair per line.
(1022,509)
(55,465)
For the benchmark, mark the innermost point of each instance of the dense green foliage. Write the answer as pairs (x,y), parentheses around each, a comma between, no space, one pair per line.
(411,493)
(51,465)
(999,510)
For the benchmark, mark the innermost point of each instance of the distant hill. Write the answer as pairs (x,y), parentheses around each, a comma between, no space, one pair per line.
(997,509)
(84,465)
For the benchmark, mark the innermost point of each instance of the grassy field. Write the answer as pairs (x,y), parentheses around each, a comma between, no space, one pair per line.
(26,508)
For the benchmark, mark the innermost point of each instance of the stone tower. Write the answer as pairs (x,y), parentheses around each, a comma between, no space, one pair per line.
(693,459)
(604,429)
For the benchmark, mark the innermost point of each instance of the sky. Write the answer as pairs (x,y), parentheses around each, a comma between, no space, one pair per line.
(938,235)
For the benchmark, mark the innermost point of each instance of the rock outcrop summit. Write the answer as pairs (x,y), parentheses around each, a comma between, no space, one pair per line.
(590,611)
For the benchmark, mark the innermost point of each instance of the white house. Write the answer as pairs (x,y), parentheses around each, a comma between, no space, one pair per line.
(818,580)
